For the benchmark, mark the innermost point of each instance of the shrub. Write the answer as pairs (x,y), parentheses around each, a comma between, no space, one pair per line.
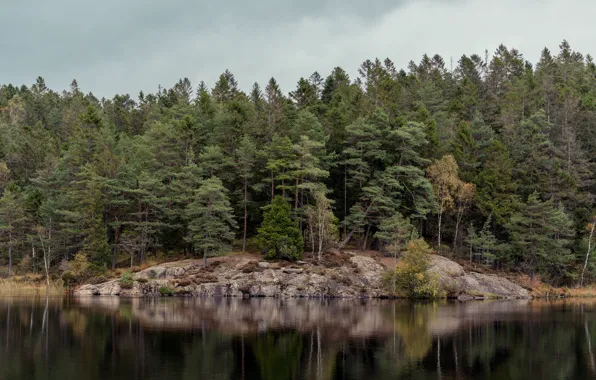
(126,281)
(142,280)
(166,291)
(411,276)
(69,279)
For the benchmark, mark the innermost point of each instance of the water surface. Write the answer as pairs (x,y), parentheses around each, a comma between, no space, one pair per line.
(269,339)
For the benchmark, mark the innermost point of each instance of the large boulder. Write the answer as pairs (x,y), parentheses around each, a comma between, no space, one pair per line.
(109,288)
(454,280)
(491,286)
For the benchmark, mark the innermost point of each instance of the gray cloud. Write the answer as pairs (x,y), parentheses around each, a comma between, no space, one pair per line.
(126,46)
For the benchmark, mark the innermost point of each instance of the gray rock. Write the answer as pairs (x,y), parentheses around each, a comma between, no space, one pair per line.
(363,278)
(452,278)
(292,270)
(109,288)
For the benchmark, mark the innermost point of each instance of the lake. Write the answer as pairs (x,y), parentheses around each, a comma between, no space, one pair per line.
(273,339)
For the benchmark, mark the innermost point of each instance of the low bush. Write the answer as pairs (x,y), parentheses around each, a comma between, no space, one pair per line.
(166,291)
(126,281)
(70,279)
(411,278)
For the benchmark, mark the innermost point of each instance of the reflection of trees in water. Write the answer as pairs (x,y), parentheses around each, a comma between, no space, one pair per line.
(278,354)
(59,339)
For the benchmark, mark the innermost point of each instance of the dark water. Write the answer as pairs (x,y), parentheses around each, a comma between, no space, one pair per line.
(112,338)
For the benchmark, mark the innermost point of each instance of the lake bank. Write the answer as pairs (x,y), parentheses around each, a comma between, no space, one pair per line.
(339,275)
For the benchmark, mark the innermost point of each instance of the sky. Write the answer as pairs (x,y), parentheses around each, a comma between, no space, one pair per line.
(124,46)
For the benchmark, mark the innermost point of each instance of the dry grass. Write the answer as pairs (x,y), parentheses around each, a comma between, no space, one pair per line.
(29,286)
(585,292)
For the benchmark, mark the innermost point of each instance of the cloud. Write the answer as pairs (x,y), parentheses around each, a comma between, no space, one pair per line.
(126,46)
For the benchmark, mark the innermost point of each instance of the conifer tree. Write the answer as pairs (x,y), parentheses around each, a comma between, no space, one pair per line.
(211,222)
(541,234)
(279,235)
(13,223)
(246,157)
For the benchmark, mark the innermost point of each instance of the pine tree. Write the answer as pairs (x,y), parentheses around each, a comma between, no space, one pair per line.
(483,243)
(13,223)
(246,157)
(278,235)
(211,222)
(541,234)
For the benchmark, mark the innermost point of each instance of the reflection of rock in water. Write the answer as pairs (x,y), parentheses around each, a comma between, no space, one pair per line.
(335,317)
(208,338)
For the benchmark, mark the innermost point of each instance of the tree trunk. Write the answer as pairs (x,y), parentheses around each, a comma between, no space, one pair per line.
(115,249)
(312,236)
(581,281)
(46,253)
(245,215)
(272,186)
(347,239)
(10,254)
(321,229)
(366,238)
(345,197)
(460,214)
(440,218)
(296,195)
(47,260)
(205,259)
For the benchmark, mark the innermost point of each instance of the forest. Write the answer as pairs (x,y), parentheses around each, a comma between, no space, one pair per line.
(488,158)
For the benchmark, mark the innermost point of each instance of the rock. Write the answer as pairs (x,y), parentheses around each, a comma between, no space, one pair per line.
(491,286)
(109,288)
(292,270)
(454,280)
(465,297)
(359,277)
(167,270)
(370,271)
(444,268)
(333,251)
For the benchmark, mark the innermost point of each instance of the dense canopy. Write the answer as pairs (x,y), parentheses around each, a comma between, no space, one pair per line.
(491,160)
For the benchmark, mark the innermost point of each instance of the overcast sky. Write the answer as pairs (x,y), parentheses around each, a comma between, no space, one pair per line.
(123,46)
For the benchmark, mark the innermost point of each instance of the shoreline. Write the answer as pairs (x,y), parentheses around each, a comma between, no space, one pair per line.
(342,275)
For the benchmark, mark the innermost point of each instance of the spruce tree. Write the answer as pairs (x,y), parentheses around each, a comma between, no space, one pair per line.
(211,222)
(278,235)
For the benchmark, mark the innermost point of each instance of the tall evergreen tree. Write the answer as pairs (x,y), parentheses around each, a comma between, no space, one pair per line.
(211,222)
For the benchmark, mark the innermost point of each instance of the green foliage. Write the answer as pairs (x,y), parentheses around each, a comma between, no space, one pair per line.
(166,291)
(126,280)
(117,180)
(70,279)
(411,277)
(482,244)
(541,237)
(211,220)
(279,235)
(395,233)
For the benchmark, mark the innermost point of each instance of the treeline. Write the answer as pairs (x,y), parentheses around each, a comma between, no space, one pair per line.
(491,160)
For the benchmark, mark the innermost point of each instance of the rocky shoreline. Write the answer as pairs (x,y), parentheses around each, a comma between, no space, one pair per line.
(342,275)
